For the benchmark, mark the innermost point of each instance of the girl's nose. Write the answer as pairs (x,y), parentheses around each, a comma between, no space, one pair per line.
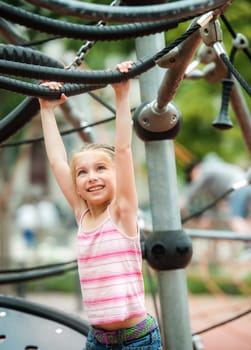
(92,176)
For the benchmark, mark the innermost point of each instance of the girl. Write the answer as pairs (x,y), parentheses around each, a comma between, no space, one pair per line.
(100,187)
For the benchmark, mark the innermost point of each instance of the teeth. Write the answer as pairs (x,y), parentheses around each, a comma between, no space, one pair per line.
(95,188)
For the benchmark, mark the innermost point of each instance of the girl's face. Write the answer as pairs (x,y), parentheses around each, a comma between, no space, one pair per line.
(95,177)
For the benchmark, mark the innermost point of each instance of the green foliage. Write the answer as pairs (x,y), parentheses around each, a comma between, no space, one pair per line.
(199,107)
(196,284)
(67,283)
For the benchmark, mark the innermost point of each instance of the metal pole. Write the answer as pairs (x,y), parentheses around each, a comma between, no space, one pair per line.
(242,113)
(218,234)
(165,210)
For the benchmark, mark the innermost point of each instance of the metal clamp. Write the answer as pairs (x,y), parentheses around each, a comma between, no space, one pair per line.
(240,42)
(211,33)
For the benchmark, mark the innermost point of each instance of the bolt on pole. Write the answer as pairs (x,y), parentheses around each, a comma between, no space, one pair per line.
(164,205)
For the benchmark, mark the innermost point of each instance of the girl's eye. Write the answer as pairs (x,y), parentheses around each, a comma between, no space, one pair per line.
(81,172)
(101,167)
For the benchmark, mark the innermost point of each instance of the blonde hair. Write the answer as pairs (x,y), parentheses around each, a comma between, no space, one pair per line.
(110,150)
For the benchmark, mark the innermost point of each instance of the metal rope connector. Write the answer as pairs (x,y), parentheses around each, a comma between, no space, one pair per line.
(205,19)
(211,33)
(240,42)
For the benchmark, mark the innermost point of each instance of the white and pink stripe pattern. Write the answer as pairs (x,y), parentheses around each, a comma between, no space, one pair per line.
(110,265)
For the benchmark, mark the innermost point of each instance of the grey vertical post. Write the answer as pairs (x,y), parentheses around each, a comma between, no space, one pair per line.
(164,202)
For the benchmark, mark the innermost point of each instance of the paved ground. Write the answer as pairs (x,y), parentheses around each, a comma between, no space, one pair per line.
(204,312)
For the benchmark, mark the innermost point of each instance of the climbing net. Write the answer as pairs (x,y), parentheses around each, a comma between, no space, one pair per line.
(19,58)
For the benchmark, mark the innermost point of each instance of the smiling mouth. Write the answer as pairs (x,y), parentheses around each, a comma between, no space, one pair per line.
(95,188)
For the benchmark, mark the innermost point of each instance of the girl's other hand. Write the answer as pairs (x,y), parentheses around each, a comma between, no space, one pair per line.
(123,67)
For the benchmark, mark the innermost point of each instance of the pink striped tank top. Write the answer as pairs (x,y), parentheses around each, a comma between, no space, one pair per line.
(110,272)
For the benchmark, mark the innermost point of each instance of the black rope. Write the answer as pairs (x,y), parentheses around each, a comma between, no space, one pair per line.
(102,102)
(228,25)
(63,133)
(92,77)
(175,9)
(39,267)
(235,73)
(83,31)
(177,41)
(233,33)
(36,274)
(18,53)
(242,314)
(72,76)
(11,123)
(40,91)
(231,58)
(198,213)
(41,41)
(70,131)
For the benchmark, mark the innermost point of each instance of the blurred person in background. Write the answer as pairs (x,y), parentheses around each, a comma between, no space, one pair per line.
(207,180)
(27,221)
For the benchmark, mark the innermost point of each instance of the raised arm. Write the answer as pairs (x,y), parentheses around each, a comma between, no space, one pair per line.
(126,196)
(55,148)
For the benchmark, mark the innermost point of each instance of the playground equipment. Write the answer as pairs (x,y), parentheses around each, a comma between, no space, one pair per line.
(157,119)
